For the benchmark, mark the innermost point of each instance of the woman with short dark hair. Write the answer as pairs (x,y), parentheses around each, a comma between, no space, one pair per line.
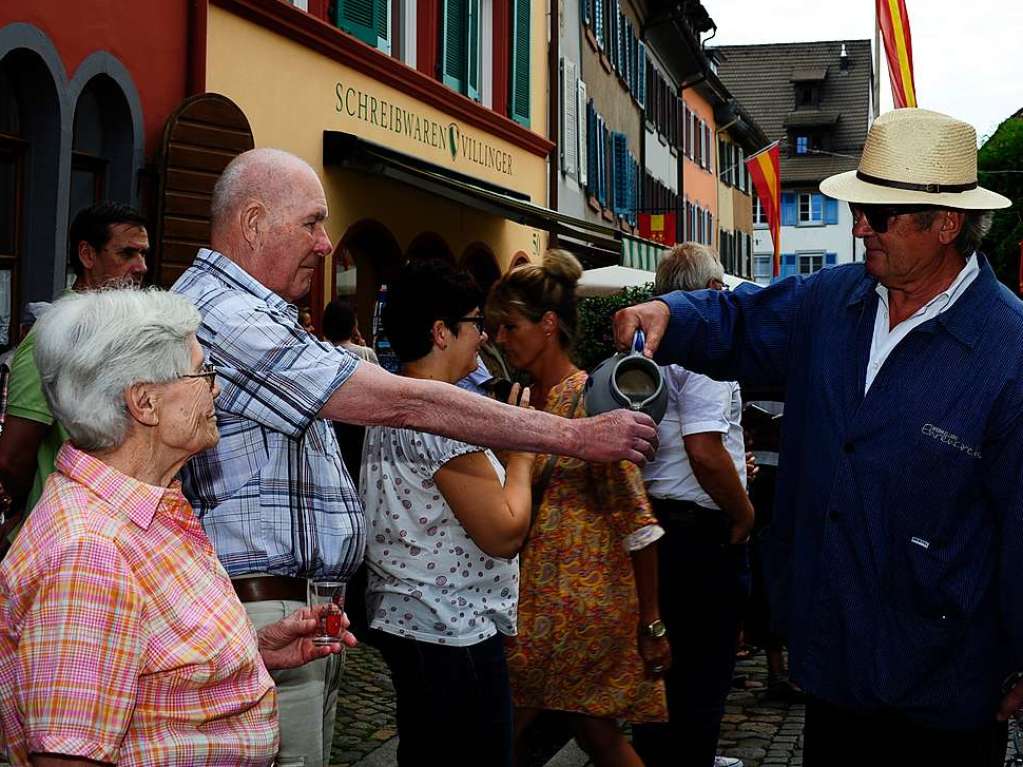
(445,522)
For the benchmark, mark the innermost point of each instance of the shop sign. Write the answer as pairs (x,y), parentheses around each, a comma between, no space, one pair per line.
(450,139)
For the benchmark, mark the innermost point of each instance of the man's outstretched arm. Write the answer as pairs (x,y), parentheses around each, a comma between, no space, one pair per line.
(741,335)
(374,397)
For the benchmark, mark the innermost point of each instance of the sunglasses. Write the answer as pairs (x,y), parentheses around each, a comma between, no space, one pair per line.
(207,371)
(879,216)
(478,321)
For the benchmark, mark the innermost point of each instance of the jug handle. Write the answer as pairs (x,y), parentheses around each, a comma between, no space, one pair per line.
(638,342)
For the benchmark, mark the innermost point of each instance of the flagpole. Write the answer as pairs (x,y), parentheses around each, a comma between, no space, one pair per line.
(767,148)
(877,61)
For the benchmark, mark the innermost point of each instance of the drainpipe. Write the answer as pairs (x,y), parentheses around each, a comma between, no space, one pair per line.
(553,113)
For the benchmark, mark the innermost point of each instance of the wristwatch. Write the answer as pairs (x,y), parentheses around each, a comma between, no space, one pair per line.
(655,630)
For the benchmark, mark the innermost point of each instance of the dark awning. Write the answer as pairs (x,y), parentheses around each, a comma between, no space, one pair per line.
(348,151)
(810,118)
(809,74)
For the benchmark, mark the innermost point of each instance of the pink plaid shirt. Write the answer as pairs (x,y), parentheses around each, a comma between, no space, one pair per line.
(121,639)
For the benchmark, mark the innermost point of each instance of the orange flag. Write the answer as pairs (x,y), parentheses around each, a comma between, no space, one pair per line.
(898,47)
(765,169)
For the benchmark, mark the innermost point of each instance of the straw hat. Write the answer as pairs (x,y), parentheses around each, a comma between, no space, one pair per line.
(914,157)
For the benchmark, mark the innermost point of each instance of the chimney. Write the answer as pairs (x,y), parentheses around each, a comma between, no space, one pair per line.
(843,58)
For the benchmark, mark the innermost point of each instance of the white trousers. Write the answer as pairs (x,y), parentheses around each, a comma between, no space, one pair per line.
(306,697)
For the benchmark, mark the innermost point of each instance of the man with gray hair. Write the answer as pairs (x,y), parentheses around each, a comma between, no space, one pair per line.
(898,516)
(274,496)
(107,245)
(697,488)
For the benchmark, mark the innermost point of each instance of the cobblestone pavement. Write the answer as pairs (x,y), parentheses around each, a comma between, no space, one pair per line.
(756,729)
(763,733)
(365,707)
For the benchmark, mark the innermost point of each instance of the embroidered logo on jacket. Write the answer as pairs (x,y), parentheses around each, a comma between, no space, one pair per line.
(947,438)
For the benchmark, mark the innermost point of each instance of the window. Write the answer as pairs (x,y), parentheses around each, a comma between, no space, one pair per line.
(810,262)
(802,144)
(807,95)
(759,213)
(762,269)
(811,209)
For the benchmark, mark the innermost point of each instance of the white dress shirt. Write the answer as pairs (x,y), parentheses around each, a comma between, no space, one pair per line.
(696,405)
(885,340)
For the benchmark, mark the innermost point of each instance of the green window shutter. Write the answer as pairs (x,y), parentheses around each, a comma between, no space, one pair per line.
(358,18)
(473,47)
(454,48)
(519,101)
(382,22)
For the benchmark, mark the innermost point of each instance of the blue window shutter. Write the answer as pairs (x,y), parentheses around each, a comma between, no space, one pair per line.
(817,207)
(621,44)
(627,54)
(602,164)
(591,149)
(598,22)
(616,195)
(633,188)
(830,210)
(586,15)
(358,18)
(830,259)
(454,48)
(788,209)
(612,181)
(519,101)
(788,264)
(641,72)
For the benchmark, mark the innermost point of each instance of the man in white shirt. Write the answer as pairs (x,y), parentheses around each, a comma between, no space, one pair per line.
(697,487)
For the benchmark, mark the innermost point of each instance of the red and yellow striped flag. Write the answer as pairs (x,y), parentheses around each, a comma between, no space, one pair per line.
(898,47)
(765,169)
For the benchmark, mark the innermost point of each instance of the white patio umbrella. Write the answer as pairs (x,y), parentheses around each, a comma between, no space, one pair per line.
(608,280)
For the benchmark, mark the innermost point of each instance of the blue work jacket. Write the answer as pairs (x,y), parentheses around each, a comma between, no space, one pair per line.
(897,547)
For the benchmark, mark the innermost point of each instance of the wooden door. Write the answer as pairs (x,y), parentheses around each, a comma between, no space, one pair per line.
(203,135)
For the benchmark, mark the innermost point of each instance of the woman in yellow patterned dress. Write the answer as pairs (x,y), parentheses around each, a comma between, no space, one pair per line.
(590,641)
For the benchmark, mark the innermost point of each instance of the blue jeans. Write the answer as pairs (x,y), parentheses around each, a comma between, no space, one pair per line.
(703,583)
(454,703)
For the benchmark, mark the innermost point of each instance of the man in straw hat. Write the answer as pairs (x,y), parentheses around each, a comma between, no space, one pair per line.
(899,513)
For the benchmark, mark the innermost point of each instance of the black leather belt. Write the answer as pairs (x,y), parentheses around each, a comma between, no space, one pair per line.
(270,588)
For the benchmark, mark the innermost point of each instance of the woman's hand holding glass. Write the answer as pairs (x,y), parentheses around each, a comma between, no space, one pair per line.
(288,643)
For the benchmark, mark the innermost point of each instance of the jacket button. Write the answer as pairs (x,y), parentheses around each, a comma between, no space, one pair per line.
(849,447)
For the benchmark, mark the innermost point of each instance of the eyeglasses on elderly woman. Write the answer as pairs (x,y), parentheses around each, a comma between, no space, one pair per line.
(207,371)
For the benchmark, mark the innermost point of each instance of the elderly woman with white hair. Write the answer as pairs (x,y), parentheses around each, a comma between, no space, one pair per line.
(121,639)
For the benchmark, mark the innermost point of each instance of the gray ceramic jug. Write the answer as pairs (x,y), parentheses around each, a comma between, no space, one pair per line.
(627,380)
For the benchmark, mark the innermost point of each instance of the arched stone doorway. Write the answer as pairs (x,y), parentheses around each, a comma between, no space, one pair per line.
(367,257)
(30,134)
(520,258)
(430,245)
(478,260)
